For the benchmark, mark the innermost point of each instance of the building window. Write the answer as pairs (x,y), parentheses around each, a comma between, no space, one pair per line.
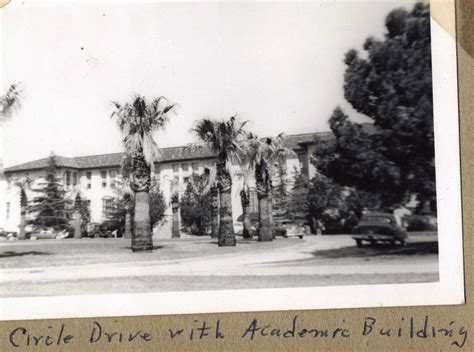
(113,178)
(302,158)
(175,168)
(103,175)
(195,167)
(185,167)
(186,179)
(8,210)
(89,179)
(67,178)
(207,172)
(107,204)
(74,178)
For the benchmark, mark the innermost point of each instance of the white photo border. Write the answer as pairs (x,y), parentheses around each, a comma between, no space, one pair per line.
(449,289)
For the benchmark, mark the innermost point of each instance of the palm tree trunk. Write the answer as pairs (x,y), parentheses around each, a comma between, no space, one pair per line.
(270,210)
(142,237)
(226,226)
(175,219)
(265,232)
(77,224)
(23,204)
(214,212)
(244,198)
(128,225)
(22,234)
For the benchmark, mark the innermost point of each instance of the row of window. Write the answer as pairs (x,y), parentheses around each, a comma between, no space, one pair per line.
(185,167)
(71,178)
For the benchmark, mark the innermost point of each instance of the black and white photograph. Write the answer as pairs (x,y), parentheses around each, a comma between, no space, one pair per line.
(164,158)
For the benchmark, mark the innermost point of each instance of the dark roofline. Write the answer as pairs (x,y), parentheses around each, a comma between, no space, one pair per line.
(27,167)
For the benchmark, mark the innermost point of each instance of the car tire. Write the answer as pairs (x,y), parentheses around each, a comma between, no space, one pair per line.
(359,243)
(403,243)
(301,237)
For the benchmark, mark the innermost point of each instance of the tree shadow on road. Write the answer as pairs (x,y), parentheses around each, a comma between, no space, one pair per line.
(10,254)
(378,250)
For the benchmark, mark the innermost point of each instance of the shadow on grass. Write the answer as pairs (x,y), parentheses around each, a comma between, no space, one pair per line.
(378,250)
(154,248)
(10,254)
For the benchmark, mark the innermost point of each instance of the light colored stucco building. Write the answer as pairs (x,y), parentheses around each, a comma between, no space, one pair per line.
(95,176)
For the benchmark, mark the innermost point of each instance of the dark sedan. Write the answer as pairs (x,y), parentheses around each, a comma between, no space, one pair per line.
(379,227)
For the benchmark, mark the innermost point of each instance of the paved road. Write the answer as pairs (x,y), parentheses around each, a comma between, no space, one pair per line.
(313,261)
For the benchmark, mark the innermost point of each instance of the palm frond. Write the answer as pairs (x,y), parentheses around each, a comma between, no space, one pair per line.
(11,101)
(138,120)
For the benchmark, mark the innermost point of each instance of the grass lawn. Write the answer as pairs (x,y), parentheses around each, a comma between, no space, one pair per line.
(40,253)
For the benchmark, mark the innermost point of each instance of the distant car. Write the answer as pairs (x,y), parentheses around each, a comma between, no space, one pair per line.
(379,227)
(239,225)
(281,228)
(288,228)
(46,233)
(107,229)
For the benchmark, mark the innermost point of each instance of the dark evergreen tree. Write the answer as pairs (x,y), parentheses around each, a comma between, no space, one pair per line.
(195,205)
(281,195)
(392,85)
(157,203)
(49,208)
(299,199)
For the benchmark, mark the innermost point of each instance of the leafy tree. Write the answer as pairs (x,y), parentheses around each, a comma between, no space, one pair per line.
(157,203)
(195,205)
(82,216)
(138,120)
(49,208)
(224,139)
(392,85)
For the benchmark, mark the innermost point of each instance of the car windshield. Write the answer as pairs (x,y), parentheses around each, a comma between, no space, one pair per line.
(377,219)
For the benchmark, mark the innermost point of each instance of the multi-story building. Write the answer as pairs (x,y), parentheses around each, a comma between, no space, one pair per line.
(95,177)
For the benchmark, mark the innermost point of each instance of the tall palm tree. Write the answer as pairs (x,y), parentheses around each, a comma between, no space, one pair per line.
(24,183)
(175,232)
(125,192)
(244,192)
(10,101)
(261,155)
(223,137)
(214,192)
(138,120)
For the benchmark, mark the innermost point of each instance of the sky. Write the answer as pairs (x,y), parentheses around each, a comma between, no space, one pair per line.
(277,65)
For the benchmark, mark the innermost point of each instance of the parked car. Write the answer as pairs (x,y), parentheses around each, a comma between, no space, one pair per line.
(420,223)
(6,235)
(46,233)
(239,225)
(378,227)
(106,229)
(282,228)
(288,228)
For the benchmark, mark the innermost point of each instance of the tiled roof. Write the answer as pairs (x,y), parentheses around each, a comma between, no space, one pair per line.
(167,154)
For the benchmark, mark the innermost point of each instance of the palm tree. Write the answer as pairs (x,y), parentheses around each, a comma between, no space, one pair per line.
(223,138)
(125,192)
(244,192)
(261,155)
(24,184)
(10,101)
(175,232)
(138,120)
(214,192)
